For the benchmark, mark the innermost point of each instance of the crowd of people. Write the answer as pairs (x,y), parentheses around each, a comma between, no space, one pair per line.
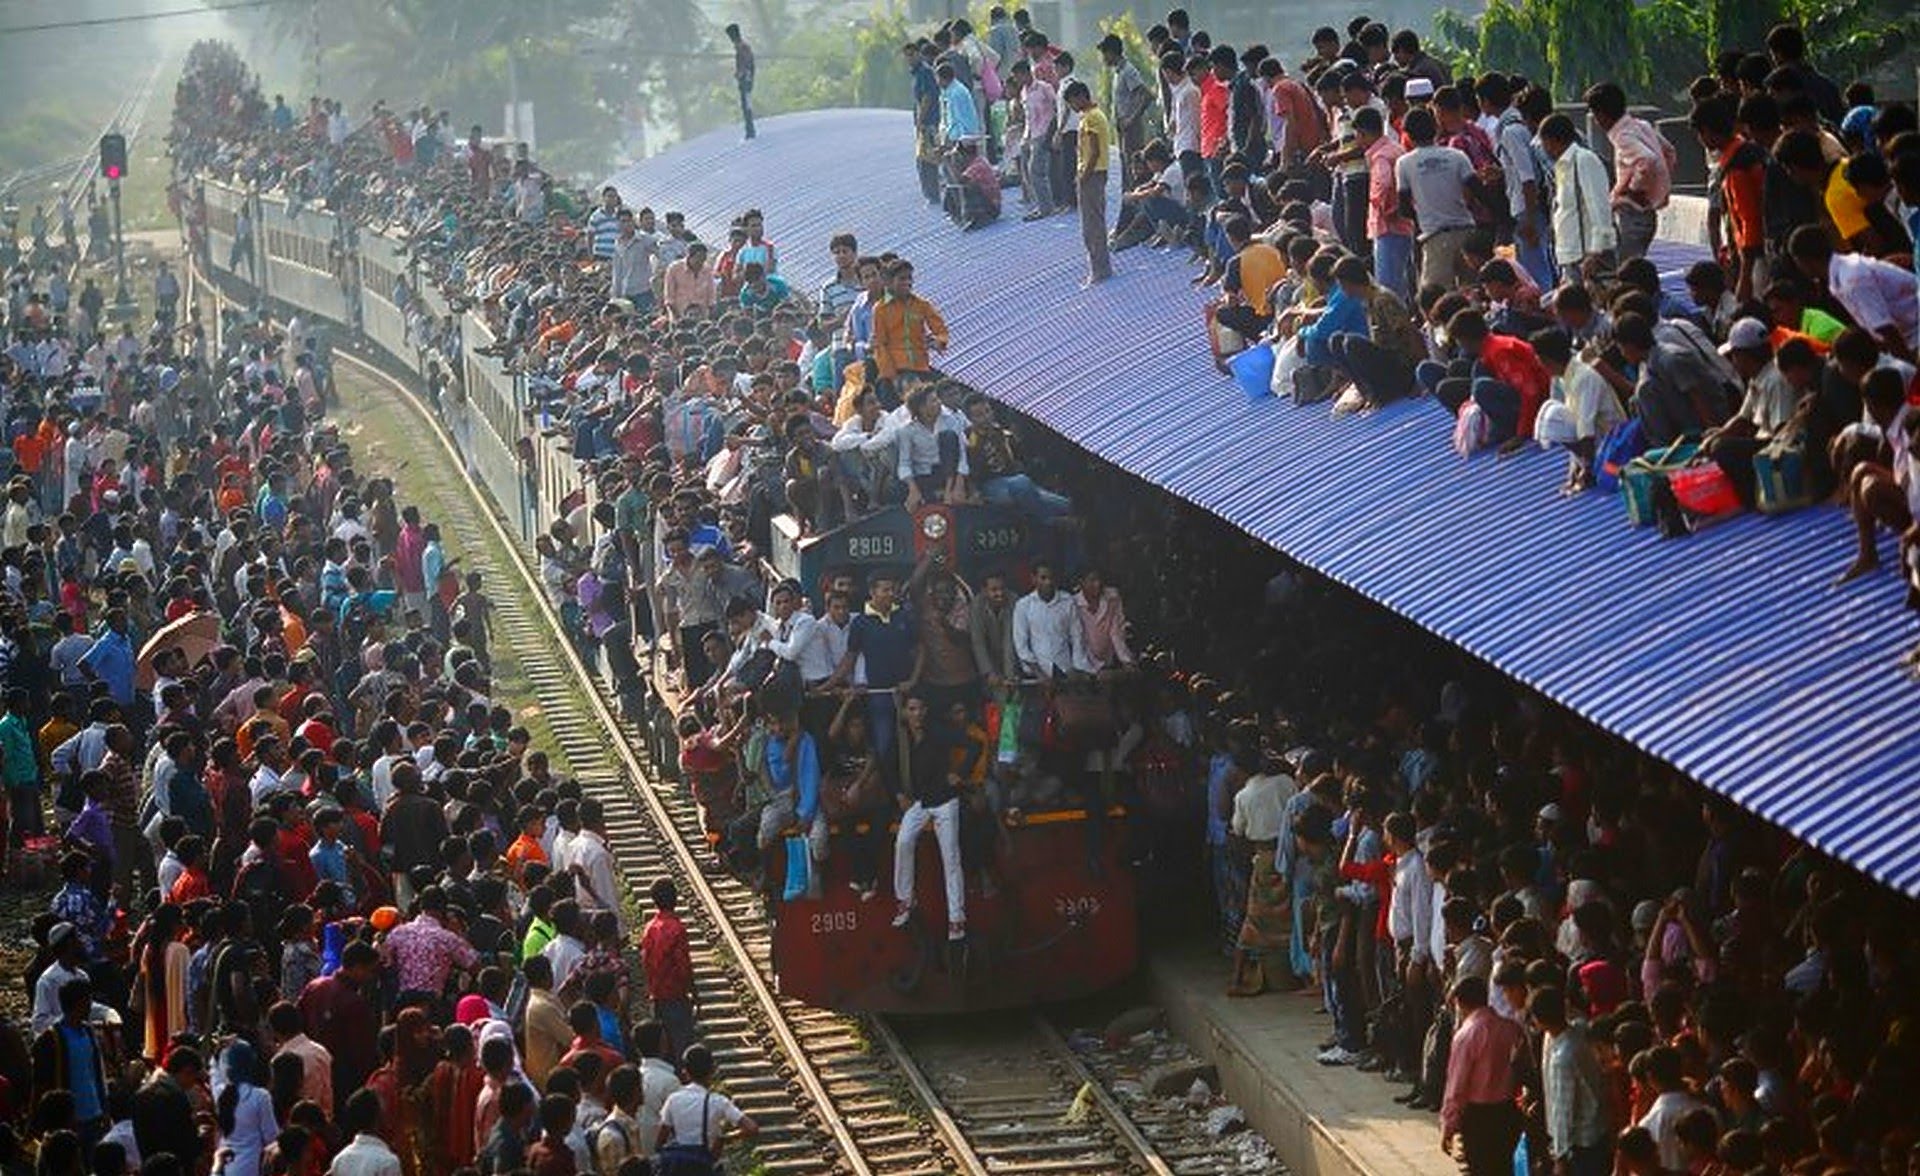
(1383,229)
(1542,935)
(1526,930)
(322,906)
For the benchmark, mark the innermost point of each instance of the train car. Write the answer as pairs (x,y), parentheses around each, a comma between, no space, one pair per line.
(1056,929)
(1061,923)
(969,538)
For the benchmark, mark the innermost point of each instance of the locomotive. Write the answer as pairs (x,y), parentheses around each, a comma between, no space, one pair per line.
(1060,923)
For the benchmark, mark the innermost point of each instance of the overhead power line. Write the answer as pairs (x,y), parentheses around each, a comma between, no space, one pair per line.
(139,17)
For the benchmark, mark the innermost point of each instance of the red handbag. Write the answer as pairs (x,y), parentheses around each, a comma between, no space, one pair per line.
(1704,490)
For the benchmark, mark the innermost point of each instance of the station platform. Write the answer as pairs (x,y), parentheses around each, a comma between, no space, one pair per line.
(1322,1120)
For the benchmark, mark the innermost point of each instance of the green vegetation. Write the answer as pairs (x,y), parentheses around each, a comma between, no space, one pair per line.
(1656,48)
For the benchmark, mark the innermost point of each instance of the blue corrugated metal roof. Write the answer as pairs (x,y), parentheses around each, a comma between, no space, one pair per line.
(1730,654)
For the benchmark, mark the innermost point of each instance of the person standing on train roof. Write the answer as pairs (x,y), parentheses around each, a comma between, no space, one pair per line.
(743,70)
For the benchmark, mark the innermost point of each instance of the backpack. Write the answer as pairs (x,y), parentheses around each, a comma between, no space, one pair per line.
(688,1159)
(1471,430)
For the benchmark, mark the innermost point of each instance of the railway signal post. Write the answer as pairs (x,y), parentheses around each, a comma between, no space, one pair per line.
(113,165)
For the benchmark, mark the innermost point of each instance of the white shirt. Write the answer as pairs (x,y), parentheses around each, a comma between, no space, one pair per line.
(1046,635)
(563,839)
(813,643)
(1186,117)
(383,781)
(46,994)
(1410,910)
(367,1155)
(1582,206)
(564,953)
(599,887)
(658,1080)
(1437,937)
(264,784)
(681,1114)
(1260,805)
(1662,1121)
(1876,294)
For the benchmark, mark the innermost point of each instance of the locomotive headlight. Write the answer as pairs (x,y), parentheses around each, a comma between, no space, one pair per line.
(934,527)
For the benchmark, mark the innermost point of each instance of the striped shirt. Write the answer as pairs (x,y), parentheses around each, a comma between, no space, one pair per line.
(1575,1089)
(603,229)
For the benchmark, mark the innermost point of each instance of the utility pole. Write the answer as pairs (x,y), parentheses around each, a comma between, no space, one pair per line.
(122,297)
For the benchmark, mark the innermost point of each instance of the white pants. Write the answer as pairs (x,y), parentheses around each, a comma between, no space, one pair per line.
(946,830)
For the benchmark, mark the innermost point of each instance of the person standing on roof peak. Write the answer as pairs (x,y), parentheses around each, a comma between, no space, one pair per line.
(743,75)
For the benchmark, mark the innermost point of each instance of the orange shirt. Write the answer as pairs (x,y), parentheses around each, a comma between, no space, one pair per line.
(1743,181)
(29,450)
(523,850)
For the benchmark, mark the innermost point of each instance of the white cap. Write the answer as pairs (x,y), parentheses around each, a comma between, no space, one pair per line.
(1747,334)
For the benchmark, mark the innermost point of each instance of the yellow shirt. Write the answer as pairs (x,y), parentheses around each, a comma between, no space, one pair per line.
(1096,140)
(1844,205)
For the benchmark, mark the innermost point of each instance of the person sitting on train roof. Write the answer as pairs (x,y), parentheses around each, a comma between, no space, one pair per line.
(997,470)
(1582,407)
(811,473)
(1047,639)
(1685,386)
(866,449)
(1499,373)
(931,450)
(1873,463)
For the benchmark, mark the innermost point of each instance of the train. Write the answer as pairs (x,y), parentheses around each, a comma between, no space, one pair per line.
(1063,922)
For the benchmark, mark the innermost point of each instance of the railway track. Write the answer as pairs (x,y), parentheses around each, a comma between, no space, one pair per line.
(832,1093)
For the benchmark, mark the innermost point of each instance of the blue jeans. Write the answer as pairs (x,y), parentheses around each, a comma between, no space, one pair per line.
(746,103)
(1537,259)
(1165,208)
(882,728)
(676,1016)
(1019,492)
(1344,1000)
(1040,174)
(1496,398)
(1393,264)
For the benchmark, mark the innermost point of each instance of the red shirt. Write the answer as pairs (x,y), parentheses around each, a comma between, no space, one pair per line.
(1379,875)
(666,958)
(1213,115)
(292,703)
(190,885)
(317,734)
(1513,362)
(610,1056)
